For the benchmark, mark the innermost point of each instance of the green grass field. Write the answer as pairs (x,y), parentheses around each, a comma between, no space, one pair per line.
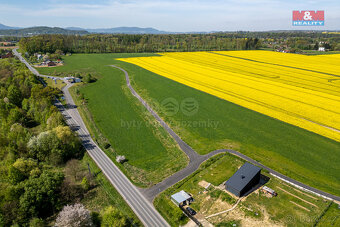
(278,210)
(295,152)
(314,52)
(152,155)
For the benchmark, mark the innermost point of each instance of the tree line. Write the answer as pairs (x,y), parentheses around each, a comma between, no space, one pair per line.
(121,43)
(124,43)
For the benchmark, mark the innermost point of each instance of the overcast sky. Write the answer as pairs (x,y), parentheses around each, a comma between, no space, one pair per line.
(167,15)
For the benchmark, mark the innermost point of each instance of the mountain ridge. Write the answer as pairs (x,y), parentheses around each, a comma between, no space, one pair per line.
(5,27)
(36,30)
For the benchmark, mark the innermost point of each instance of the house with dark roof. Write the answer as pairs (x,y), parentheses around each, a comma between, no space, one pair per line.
(51,63)
(245,178)
(7,55)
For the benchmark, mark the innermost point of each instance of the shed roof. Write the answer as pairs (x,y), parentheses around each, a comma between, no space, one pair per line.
(180,196)
(268,189)
(243,176)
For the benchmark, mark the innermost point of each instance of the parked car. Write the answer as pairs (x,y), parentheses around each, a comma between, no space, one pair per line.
(190,211)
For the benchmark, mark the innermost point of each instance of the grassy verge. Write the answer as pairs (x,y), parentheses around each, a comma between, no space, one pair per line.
(256,209)
(114,116)
(105,194)
(314,52)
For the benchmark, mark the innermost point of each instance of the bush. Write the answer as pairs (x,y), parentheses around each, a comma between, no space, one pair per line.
(89,78)
(85,184)
(111,216)
(37,222)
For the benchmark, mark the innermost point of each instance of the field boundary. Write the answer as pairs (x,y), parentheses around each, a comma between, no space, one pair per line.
(196,159)
(286,66)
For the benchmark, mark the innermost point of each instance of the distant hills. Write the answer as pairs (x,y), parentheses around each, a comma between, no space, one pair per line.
(15,31)
(121,30)
(5,27)
(127,30)
(10,31)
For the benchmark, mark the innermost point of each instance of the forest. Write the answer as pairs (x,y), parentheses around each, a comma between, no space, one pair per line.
(123,43)
(134,43)
(39,158)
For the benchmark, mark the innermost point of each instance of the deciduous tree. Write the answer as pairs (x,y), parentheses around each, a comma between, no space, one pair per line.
(74,215)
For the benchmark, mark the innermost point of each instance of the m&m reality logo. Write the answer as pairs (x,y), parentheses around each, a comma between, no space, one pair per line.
(308,18)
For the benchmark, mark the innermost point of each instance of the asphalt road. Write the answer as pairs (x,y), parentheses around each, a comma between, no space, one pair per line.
(196,159)
(142,207)
(139,204)
(140,199)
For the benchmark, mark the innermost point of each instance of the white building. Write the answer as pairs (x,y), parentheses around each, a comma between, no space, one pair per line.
(181,198)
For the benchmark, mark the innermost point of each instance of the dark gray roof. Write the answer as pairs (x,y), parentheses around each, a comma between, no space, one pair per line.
(243,175)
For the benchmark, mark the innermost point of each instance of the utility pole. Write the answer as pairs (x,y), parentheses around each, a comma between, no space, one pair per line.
(88,166)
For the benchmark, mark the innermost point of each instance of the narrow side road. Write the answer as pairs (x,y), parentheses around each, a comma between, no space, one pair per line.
(196,159)
(145,211)
(140,199)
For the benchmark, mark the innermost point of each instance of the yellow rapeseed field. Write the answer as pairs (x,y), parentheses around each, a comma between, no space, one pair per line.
(297,89)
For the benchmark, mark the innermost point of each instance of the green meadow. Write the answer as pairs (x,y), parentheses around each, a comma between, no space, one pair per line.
(295,152)
(151,154)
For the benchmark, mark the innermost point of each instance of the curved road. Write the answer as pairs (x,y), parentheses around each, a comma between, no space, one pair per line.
(145,211)
(196,159)
(140,199)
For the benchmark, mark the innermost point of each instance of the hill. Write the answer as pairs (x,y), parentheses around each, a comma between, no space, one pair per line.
(16,31)
(5,27)
(40,30)
(127,30)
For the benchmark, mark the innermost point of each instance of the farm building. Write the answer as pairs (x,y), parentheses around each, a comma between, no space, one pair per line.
(73,79)
(243,180)
(77,80)
(7,55)
(51,63)
(181,198)
(39,57)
